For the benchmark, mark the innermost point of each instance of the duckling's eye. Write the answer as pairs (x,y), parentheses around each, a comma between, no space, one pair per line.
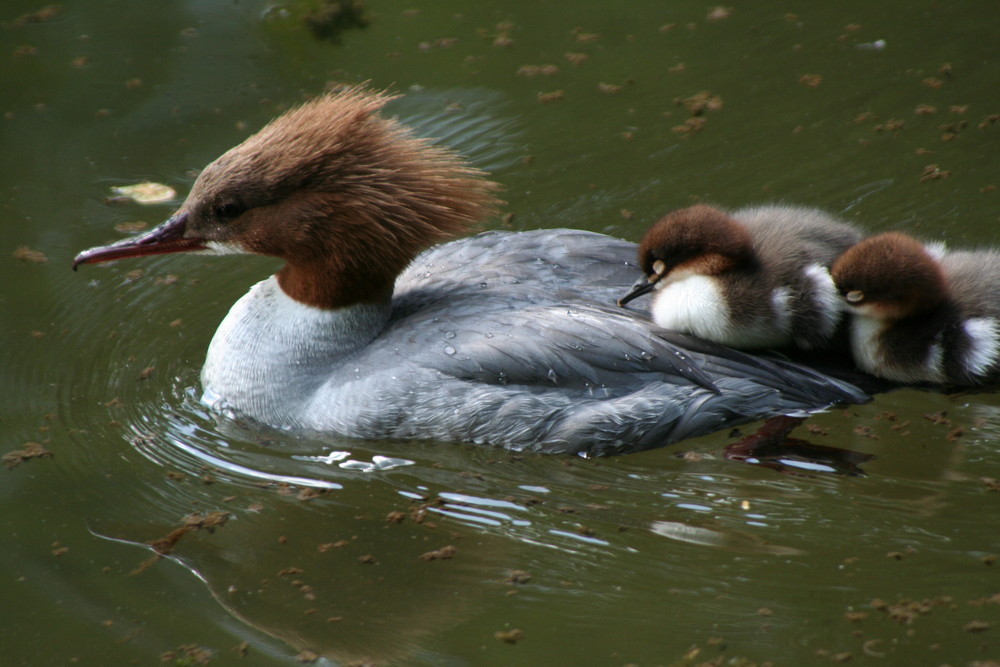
(855,296)
(228,211)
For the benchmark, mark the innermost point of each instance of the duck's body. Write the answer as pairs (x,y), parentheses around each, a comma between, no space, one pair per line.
(754,278)
(508,339)
(920,314)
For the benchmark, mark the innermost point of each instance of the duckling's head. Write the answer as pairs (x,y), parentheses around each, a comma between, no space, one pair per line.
(697,240)
(889,277)
(345,196)
(701,239)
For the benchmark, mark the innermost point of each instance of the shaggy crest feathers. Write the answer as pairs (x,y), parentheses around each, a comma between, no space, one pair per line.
(334,173)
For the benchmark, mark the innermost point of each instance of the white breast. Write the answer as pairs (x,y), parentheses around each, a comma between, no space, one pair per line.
(984,347)
(869,354)
(695,304)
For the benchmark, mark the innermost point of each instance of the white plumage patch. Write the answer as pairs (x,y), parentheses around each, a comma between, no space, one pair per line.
(984,347)
(937,250)
(271,353)
(825,298)
(865,345)
(217,248)
(869,354)
(693,305)
(696,305)
(781,306)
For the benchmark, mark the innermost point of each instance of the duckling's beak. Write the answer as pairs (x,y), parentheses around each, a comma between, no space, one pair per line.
(640,287)
(168,237)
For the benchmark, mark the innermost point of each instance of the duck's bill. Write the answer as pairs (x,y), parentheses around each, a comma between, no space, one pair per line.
(642,286)
(168,237)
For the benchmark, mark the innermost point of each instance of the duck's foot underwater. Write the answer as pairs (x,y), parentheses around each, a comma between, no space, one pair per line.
(771,447)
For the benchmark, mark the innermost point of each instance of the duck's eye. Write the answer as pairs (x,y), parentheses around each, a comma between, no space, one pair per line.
(228,211)
(855,296)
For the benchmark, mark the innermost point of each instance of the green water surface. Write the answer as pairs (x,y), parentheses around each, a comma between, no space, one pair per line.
(881,112)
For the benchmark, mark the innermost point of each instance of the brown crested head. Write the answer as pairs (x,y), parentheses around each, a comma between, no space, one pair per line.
(700,237)
(891,276)
(344,195)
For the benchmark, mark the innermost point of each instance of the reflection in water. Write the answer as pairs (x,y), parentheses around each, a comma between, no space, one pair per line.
(723,539)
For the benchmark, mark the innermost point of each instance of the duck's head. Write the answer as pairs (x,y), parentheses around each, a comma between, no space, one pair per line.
(697,240)
(345,196)
(889,277)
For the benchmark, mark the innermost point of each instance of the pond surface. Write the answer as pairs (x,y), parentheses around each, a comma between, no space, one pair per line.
(288,549)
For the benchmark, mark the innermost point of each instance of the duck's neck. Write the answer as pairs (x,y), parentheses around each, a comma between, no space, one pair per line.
(271,352)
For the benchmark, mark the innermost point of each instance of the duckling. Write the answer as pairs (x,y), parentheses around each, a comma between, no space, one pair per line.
(754,278)
(921,314)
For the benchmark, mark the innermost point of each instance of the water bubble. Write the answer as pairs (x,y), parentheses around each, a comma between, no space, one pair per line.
(448,349)
(877,45)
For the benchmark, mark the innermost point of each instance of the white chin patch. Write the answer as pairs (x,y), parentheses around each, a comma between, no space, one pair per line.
(217,248)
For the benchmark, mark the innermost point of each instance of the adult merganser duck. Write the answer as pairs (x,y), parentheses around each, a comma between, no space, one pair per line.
(921,314)
(509,339)
(751,279)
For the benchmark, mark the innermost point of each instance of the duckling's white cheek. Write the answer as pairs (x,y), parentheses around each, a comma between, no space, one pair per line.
(694,305)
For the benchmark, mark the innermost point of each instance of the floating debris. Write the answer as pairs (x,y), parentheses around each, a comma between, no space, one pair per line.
(701,102)
(307,657)
(146,192)
(32,450)
(518,577)
(444,553)
(933,173)
(509,636)
(43,15)
(811,80)
(537,70)
(719,13)
(26,254)
(877,45)
(192,522)
(189,654)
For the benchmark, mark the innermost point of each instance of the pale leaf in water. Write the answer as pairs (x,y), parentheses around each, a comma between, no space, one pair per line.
(26,254)
(146,193)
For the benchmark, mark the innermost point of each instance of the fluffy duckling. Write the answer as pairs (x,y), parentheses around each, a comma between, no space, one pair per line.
(751,279)
(920,314)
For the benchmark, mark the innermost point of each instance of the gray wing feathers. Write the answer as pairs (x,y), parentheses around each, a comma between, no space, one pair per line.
(579,374)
